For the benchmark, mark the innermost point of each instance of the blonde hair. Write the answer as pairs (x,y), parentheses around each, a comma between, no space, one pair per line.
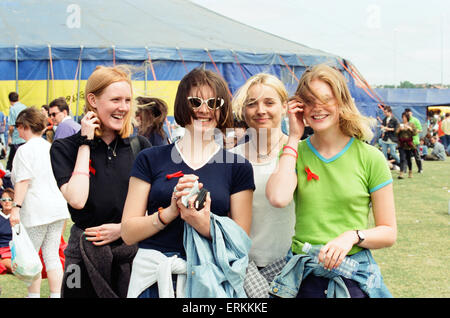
(241,97)
(351,121)
(100,79)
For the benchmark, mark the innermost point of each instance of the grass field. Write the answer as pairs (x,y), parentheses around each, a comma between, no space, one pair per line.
(418,265)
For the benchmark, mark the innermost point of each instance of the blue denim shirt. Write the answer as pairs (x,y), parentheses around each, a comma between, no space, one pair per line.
(216,267)
(368,276)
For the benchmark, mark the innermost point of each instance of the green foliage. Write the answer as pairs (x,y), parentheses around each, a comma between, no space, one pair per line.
(407,84)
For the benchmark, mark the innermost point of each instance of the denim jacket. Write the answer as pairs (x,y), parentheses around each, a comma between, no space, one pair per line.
(216,267)
(368,276)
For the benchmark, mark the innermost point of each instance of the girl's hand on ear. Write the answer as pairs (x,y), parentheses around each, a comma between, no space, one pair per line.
(295,112)
(89,123)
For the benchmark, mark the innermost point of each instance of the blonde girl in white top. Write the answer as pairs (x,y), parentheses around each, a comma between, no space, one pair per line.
(262,102)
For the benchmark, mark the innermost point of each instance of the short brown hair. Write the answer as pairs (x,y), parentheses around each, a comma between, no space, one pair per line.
(13,97)
(32,118)
(184,113)
(9,192)
(61,103)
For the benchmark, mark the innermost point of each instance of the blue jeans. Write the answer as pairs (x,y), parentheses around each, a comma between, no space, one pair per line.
(392,150)
(445,140)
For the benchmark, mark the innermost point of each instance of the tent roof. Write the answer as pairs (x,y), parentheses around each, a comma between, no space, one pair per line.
(417,99)
(131,26)
(411,97)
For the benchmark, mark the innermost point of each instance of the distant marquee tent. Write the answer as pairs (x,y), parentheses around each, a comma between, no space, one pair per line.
(49,48)
(417,99)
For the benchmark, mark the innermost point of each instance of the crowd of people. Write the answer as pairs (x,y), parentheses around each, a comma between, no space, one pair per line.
(131,185)
(402,140)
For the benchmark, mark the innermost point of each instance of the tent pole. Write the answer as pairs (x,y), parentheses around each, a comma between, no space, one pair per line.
(145,80)
(293,71)
(48,83)
(145,74)
(287,66)
(17,67)
(80,61)
(114,54)
(78,90)
(182,59)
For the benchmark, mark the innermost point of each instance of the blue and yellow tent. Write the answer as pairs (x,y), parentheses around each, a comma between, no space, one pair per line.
(49,48)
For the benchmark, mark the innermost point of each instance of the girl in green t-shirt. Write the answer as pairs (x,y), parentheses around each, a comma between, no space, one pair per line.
(334,177)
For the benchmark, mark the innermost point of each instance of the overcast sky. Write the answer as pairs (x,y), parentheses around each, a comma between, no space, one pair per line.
(389,41)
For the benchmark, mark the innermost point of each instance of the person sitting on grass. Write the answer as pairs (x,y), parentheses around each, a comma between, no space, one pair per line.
(438,153)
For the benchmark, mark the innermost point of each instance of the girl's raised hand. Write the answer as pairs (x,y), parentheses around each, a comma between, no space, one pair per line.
(89,123)
(295,114)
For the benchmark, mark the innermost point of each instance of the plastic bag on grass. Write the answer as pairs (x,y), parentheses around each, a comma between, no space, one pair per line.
(25,262)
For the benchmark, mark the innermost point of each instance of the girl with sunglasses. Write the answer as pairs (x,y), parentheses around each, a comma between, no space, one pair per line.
(154,214)
(336,179)
(6,201)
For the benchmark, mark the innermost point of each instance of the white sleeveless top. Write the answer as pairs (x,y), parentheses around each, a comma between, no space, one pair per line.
(272,228)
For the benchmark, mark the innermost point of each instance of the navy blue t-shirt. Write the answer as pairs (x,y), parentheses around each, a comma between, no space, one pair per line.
(5,231)
(157,140)
(226,173)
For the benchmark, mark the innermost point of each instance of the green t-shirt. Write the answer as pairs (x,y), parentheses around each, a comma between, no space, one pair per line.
(340,199)
(416,122)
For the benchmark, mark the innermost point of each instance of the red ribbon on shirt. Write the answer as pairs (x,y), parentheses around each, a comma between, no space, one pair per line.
(175,175)
(310,175)
(91,169)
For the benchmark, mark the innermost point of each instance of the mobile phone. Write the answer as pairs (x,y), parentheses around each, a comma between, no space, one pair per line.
(200,200)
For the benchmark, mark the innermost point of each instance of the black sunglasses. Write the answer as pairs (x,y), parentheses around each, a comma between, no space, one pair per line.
(53,114)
